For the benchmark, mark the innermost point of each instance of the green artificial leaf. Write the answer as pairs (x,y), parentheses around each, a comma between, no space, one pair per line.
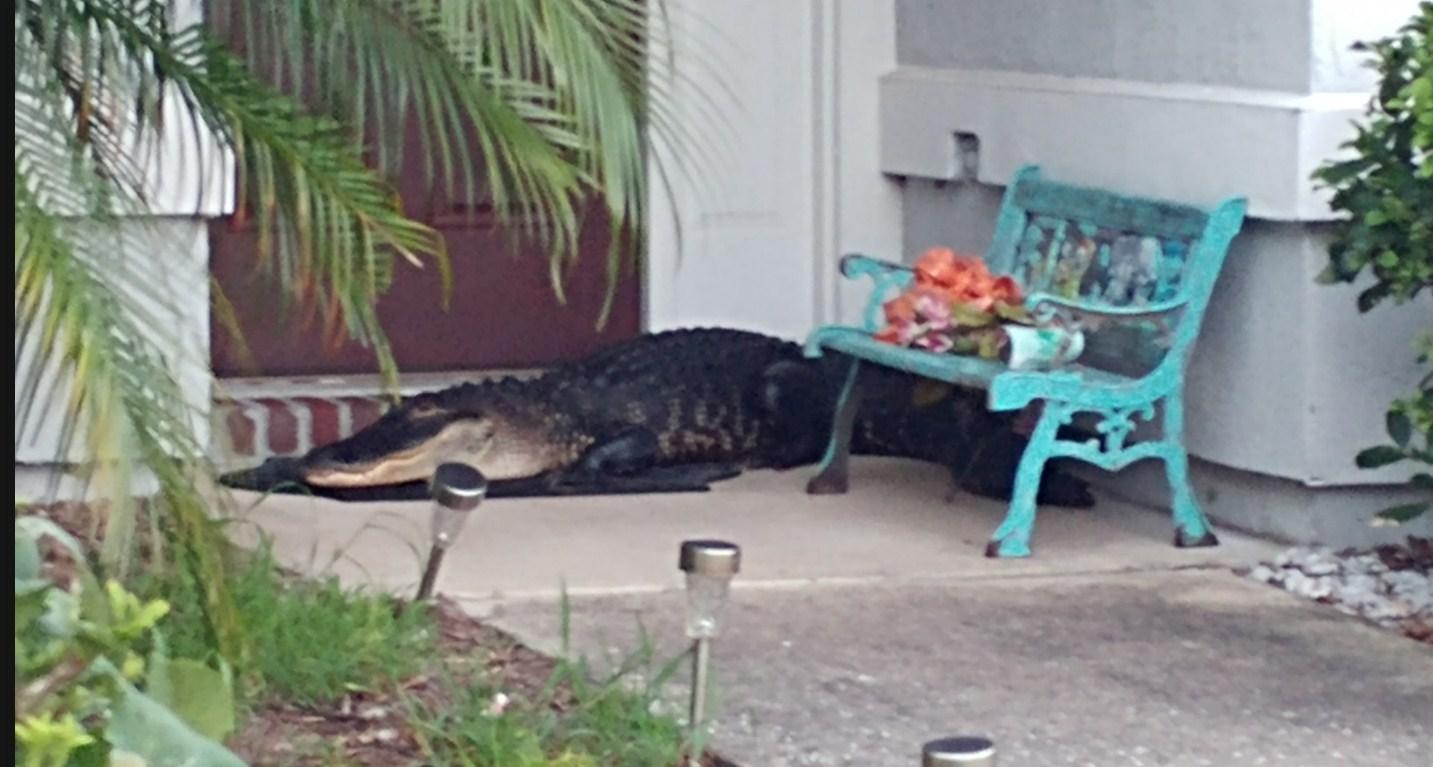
(31,602)
(27,558)
(59,620)
(989,344)
(143,726)
(967,316)
(1399,515)
(97,753)
(1329,275)
(34,528)
(201,696)
(1373,296)
(1014,313)
(1422,481)
(1375,457)
(1400,428)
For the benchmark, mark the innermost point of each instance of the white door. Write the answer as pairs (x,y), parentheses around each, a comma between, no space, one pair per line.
(779,97)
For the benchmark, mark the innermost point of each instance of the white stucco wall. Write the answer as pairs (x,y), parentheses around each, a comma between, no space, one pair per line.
(189,181)
(1231,43)
(1192,101)
(180,330)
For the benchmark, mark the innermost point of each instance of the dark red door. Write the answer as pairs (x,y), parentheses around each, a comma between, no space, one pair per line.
(503,313)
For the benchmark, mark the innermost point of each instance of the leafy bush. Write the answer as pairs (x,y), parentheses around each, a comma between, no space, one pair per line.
(1386,187)
(1386,190)
(77,663)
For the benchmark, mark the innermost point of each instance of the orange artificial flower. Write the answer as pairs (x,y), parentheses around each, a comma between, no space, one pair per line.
(902,308)
(1006,290)
(936,267)
(944,282)
(959,277)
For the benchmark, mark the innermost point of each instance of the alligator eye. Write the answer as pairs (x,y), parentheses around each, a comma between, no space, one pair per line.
(424,411)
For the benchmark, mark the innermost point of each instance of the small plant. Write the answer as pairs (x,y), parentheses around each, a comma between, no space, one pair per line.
(78,664)
(312,640)
(1386,191)
(1410,426)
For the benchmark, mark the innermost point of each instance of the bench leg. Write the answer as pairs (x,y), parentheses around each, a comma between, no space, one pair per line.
(1191,527)
(834,475)
(1012,538)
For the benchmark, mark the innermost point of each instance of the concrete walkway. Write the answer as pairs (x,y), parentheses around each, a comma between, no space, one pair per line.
(864,624)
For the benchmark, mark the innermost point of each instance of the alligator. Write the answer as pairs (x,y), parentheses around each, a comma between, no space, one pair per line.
(664,412)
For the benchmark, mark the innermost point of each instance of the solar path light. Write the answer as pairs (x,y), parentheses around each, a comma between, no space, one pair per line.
(457,489)
(710,566)
(964,751)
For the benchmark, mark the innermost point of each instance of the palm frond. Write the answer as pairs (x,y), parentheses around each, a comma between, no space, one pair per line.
(123,403)
(333,224)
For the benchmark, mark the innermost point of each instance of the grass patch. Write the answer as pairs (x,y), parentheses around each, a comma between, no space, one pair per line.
(572,722)
(313,640)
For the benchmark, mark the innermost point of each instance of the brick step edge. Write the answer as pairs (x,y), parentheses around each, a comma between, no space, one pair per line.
(250,430)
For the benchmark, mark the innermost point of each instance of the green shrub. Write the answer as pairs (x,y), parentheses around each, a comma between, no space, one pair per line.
(1386,191)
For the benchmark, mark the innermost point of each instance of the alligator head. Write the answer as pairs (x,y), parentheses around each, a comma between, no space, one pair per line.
(405,445)
(472,424)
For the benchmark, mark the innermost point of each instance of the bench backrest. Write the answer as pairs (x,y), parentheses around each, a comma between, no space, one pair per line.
(1111,250)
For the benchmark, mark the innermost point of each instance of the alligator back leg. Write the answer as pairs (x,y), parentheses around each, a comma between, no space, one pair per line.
(631,451)
(834,476)
(628,463)
(992,469)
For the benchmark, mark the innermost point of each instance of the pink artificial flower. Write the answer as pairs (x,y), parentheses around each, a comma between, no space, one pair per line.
(934,310)
(936,342)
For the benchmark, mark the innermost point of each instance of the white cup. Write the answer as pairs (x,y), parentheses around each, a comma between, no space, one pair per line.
(1032,348)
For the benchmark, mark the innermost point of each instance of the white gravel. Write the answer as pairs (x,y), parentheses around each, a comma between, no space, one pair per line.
(1355,582)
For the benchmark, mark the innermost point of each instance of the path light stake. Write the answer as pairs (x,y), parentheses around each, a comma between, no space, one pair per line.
(710,566)
(963,751)
(457,489)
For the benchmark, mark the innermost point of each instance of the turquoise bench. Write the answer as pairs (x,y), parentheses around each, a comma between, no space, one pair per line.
(1133,275)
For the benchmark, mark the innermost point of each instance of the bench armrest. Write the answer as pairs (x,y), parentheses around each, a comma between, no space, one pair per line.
(1036,302)
(855,265)
(887,275)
